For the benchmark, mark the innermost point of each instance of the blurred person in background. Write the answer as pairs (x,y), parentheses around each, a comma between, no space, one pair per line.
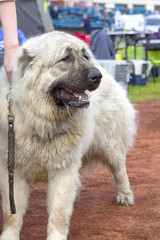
(9,24)
(86,24)
(125,10)
(97,10)
(54,13)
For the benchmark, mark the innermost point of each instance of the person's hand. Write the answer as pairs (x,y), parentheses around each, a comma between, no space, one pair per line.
(8,58)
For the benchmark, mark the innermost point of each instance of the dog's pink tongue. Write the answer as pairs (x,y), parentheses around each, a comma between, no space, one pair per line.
(81,95)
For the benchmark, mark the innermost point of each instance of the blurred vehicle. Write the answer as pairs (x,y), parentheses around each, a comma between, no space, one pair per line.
(131,22)
(153,23)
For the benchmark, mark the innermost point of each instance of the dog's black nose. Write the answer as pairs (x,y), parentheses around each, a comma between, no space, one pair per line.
(95,76)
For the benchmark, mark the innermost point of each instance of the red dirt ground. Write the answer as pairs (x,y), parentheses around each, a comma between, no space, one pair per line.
(96,215)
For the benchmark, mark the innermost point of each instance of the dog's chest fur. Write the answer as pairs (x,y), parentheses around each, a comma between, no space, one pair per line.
(36,156)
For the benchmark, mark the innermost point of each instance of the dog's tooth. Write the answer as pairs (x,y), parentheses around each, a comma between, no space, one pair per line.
(80,98)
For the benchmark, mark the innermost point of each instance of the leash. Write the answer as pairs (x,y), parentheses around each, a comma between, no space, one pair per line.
(11,154)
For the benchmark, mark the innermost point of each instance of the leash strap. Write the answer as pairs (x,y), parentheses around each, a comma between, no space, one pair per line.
(11,155)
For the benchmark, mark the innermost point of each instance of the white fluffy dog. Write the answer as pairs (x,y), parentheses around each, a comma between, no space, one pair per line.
(66,109)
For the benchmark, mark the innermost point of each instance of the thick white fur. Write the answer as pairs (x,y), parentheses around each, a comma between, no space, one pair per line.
(50,146)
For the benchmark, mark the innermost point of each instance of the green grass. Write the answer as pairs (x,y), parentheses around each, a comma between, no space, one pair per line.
(130,52)
(139,93)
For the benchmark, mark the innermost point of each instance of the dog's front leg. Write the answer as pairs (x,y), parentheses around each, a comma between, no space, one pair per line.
(124,192)
(13,222)
(62,190)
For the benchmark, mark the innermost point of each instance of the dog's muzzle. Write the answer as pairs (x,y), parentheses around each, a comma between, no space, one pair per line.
(74,95)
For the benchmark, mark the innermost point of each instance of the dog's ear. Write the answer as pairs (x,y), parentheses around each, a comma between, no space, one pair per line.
(25,59)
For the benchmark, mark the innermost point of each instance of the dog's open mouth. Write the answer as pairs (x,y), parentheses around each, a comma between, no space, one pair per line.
(75,99)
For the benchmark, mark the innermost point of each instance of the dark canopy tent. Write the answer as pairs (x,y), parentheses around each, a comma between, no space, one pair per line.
(31,17)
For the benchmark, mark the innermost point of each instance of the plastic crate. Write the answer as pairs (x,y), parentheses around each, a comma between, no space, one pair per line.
(118,70)
(138,80)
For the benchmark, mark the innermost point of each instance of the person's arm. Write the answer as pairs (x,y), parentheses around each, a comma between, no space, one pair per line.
(82,25)
(9,24)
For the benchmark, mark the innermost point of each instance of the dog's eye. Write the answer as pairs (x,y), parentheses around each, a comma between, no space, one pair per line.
(86,57)
(66,59)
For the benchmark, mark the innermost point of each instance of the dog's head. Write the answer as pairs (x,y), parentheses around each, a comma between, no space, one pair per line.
(76,76)
(59,66)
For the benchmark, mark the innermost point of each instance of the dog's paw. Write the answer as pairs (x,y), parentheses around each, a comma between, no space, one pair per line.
(6,235)
(56,235)
(126,199)
(6,238)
